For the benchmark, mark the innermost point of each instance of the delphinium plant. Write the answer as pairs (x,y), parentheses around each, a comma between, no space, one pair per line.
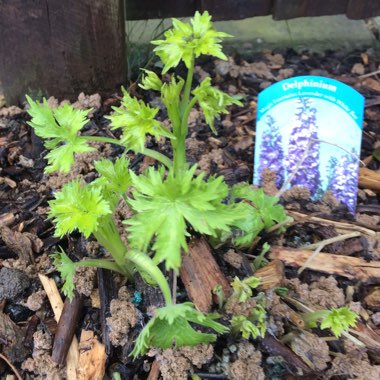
(271,152)
(304,140)
(168,203)
(344,180)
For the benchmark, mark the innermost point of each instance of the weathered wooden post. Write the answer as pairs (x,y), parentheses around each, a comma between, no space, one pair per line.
(60,48)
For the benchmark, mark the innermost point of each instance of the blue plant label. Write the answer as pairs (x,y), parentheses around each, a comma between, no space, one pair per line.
(308,132)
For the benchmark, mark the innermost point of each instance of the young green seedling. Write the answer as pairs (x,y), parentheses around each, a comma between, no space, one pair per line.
(167,203)
(254,325)
(338,320)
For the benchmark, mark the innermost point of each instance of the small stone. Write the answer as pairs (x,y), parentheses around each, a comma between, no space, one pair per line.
(13,283)
(376,319)
(232,348)
(26,162)
(358,69)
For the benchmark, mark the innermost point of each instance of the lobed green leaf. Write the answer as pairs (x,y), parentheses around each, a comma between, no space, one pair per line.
(213,102)
(168,203)
(339,320)
(258,210)
(78,207)
(137,119)
(60,126)
(188,40)
(170,327)
(67,270)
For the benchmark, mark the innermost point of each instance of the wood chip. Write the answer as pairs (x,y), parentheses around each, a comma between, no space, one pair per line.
(369,179)
(7,219)
(200,274)
(371,83)
(339,226)
(372,299)
(154,373)
(92,357)
(56,303)
(271,276)
(352,268)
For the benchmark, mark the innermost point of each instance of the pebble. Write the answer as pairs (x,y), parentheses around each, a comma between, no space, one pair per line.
(13,283)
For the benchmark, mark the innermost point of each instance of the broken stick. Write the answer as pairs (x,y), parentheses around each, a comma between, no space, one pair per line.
(56,303)
(200,274)
(352,268)
(66,328)
(92,357)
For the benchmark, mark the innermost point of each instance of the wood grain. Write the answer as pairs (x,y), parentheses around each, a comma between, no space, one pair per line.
(352,268)
(61,48)
(200,274)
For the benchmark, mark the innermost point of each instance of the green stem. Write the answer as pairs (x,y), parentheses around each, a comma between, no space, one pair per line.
(158,157)
(108,236)
(179,149)
(100,263)
(148,152)
(146,264)
(314,316)
(109,140)
(189,82)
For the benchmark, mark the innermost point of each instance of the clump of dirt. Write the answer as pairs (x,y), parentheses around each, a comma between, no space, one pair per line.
(83,164)
(234,307)
(123,317)
(215,156)
(93,101)
(313,350)
(353,365)
(13,283)
(233,258)
(268,182)
(35,300)
(296,193)
(41,363)
(247,365)
(176,363)
(84,280)
(324,292)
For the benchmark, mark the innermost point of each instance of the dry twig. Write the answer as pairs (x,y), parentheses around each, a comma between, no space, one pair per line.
(322,244)
(12,367)
(57,305)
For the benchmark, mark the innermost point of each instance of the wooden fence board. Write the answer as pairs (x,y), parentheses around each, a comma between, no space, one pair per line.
(60,48)
(287,9)
(359,9)
(151,9)
(237,9)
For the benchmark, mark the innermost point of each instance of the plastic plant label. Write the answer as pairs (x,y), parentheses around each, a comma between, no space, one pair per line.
(309,133)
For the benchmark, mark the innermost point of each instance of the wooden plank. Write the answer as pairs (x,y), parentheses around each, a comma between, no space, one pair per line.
(353,268)
(148,9)
(220,10)
(60,48)
(287,9)
(359,9)
(237,9)
(200,274)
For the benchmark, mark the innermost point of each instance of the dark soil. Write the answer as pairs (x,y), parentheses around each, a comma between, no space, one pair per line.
(27,325)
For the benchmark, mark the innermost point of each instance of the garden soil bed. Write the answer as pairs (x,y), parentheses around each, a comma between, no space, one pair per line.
(108,313)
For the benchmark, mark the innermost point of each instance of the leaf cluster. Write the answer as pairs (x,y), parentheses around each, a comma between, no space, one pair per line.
(171,327)
(136,119)
(170,203)
(259,212)
(60,128)
(338,320)
(254,325)
(184,42)
(243,288)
